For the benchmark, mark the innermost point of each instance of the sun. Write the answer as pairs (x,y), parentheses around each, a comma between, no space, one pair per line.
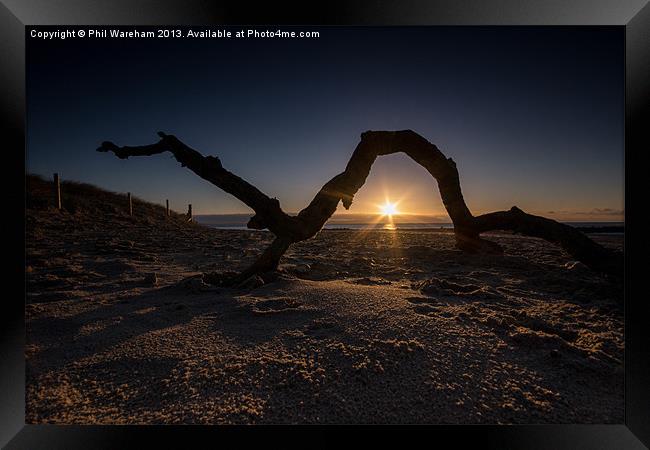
(388,209)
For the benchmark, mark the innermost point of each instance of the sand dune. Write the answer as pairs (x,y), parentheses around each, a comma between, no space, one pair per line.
(358,327)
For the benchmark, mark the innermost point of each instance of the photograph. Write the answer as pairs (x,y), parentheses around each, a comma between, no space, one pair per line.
(288,224)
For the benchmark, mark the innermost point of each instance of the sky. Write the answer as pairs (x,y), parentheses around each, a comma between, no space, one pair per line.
(532,116)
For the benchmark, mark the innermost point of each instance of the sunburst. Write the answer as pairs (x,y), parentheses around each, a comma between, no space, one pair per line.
(388,209)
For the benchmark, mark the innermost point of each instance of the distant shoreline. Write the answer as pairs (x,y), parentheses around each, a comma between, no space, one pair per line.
(586,227)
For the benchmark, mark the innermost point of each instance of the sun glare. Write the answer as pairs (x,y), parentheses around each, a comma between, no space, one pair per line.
(389,209)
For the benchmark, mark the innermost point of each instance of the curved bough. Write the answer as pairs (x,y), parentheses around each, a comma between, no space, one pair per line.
(291,229)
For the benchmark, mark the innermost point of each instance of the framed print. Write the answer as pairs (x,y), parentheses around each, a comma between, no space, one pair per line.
(368,213)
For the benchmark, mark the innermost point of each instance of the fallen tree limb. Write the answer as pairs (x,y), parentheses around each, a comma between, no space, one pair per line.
(573,241)
(291,229)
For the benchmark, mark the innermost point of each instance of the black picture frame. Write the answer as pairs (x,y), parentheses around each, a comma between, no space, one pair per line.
(633,15)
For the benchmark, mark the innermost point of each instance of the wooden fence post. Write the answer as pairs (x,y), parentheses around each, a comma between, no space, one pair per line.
(57,190)
(167,201)
(128,194)
(189,212)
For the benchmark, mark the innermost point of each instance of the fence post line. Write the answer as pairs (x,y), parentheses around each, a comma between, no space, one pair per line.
(128,194)
(57,190)
(167,202)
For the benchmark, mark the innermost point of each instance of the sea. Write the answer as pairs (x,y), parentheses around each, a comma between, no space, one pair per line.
(238,222)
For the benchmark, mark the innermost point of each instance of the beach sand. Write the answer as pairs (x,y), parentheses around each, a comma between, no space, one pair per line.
(359,327)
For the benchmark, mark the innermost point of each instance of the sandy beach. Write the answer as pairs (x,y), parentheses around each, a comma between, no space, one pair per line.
(355,327)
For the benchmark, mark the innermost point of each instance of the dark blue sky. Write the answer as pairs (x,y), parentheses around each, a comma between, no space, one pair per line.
(532,116)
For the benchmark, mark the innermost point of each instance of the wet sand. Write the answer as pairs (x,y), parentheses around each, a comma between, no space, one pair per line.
(359,327)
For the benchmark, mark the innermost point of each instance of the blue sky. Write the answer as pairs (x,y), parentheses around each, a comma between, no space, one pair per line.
(532,116)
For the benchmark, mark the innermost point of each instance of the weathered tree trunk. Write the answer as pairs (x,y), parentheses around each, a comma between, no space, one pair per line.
(290,229)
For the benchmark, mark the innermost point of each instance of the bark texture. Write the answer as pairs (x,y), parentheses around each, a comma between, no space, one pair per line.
(290,229)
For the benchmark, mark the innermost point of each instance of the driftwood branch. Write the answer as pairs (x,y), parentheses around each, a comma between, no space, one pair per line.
(290,229)
(573,241)
(210,168)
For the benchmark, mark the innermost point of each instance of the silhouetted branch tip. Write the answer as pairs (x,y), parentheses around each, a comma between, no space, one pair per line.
(107,146)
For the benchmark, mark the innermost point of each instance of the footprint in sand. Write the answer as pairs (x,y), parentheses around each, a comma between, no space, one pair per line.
(430,307)
(420,300)
(322,329)
(425,306)
(111,267)
(425,310)
(370,281)
(275,305)
(449,290)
